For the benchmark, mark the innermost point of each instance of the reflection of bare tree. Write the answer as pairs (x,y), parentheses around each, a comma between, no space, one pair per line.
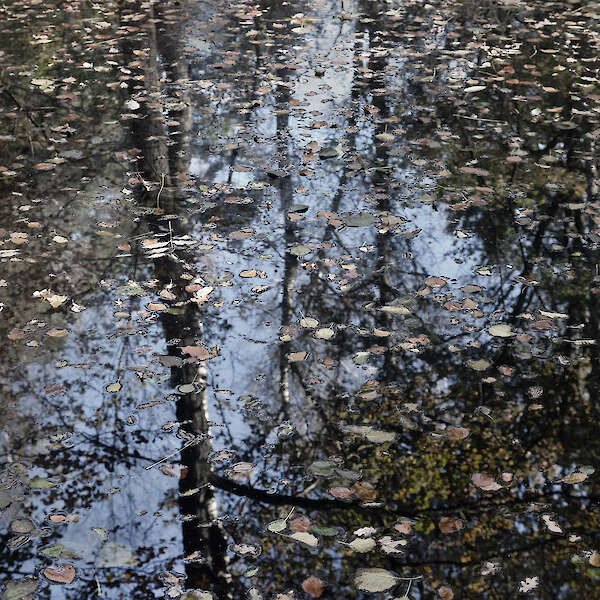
(165,158)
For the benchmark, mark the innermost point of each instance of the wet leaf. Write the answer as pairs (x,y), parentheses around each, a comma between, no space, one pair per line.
(485,482)
(59,551)
(313,586)
(528,584)
(20,588)
(306,538)
(300,250)
(479,365)
(22,525)
(450,525)
(361,219)
(375,580)
(362,544)
(60,573)
(277,526)
(503,331)
(40,483)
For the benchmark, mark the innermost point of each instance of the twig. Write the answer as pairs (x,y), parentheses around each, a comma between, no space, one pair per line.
(158,462)
(162,185)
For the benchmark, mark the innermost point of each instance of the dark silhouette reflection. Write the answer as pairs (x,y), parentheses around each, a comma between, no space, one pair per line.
(165,159)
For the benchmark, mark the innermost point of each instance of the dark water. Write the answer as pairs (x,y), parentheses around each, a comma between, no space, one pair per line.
(299,299)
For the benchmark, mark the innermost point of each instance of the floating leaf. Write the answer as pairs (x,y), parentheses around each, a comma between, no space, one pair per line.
(59,551)
(21,588)
(22,526)
(552,525)
(457,433)
(300,250)
(360,358)
(362,544)
(573,478)
(306,538)
(485,482)
(361,219)
(326,153)
(301,523)
(39,483)
(503,331)
(529,584)
(309,322)
(479,365)
(313,586)
(199,352)
(60,573)
(277,526)
(375,580)
(396,310)
(325,333)
(370,433)
(450,525)
(390,546)
(130,289)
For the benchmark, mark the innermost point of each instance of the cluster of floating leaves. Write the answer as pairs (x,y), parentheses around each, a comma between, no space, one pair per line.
(311,285)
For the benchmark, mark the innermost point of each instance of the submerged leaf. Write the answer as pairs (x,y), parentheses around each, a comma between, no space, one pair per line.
(19,589)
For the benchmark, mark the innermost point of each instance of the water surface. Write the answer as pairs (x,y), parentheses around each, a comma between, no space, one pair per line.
(299,299)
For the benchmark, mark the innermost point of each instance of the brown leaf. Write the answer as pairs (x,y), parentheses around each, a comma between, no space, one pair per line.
(450,525)
(341,492)
(485,482)
(457,433)
(199,352)
(60,573)
(313,586)
(445,593)
(44,167)
(474,171)
(435,282)
(57,332)
(573,478)
(404,527)
(300,524)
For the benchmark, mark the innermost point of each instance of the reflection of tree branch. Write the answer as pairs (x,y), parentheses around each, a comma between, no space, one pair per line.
(247,491)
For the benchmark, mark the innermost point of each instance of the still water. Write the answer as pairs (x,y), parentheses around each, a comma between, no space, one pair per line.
(299,299)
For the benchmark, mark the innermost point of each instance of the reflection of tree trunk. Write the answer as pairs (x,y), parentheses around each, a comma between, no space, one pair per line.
(286,194)
(380,178)
(204,540)
(165,158)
